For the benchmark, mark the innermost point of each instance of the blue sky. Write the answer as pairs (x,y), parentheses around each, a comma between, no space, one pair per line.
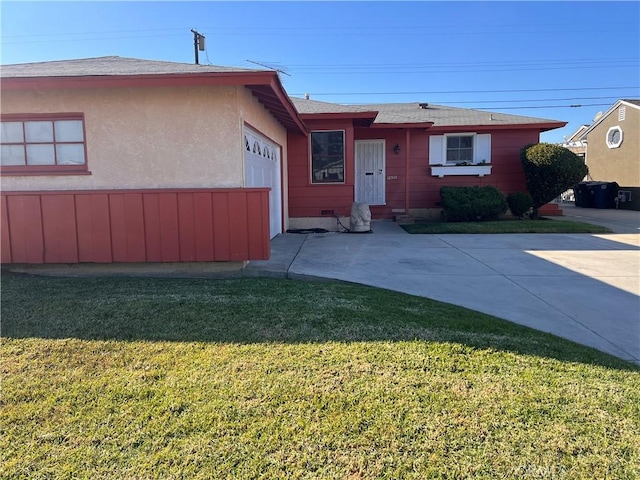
(524,58)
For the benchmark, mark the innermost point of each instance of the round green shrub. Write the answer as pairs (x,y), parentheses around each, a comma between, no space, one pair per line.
(550,170)
(519,203)
(472,204)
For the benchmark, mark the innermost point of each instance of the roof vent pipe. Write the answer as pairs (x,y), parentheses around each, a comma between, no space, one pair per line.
(306,96)
(424,106)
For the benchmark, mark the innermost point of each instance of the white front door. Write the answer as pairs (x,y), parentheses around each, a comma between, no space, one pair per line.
(370,173)
(262,169)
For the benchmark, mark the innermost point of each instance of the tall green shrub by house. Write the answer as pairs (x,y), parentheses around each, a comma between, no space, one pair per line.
(550,170)
(471,204)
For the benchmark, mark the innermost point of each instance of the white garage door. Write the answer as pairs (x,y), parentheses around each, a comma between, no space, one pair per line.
(262,169)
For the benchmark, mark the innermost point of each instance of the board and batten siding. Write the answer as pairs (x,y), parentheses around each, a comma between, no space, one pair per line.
(179,225)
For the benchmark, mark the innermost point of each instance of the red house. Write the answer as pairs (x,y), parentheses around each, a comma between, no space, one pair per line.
(395,157)
(120,160)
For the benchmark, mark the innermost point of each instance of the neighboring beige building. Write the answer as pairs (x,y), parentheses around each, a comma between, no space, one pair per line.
(613,145)
(575,143)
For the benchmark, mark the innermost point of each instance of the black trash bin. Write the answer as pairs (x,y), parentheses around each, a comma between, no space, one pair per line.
(581,195)
(603,194)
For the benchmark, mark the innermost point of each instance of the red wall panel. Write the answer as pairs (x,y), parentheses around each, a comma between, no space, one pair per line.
(203,213)
(59,229)
(92,222)
(5,247)
(238,227)
(153,237)
(127,227)
(255,203)
(221,227)
(186,227)
(135,226)
(25,229)
(169,228)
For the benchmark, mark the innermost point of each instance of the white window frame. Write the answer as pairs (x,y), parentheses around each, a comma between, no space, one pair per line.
(473,148)
(610,132)
(312,180)
(438,154)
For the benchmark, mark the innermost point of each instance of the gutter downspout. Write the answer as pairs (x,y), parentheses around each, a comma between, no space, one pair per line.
(406,170)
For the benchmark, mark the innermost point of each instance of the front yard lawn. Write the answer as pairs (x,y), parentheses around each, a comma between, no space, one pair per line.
(265,378)
(506,226)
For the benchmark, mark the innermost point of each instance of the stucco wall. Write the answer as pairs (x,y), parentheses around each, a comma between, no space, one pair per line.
(622,164)
(188,137)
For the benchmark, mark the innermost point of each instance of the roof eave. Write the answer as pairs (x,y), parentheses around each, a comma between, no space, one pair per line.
(285,113)
(137,80)
(425,125)
(542,127)
(279,104)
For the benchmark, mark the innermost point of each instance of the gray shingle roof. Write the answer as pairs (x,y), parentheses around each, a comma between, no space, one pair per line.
(305,106)
(413,113)
(108,66)
(633,101)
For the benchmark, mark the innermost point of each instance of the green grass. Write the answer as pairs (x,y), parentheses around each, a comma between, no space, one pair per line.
(265,378)
(506,226)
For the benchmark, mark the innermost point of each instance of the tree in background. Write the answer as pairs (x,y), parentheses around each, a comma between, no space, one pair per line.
(550,170)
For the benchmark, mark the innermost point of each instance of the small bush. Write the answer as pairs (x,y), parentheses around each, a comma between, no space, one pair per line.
(471,204)
(550,170)
(520,204)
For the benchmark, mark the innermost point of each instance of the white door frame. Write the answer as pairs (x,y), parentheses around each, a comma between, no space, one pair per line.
(379,173)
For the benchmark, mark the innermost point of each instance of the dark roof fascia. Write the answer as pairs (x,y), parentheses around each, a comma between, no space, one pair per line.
(418,125)
(140,80)
(359,119)
(339,115)
(542,127)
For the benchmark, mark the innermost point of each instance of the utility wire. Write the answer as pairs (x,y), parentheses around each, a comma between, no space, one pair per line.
(433,92)
(448,102)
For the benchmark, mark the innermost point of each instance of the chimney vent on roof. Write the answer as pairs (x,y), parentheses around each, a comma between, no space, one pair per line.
(306,96)
(424,106)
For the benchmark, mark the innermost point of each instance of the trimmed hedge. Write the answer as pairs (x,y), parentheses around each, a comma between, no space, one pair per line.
(472,204)
(520,204)
(550,170)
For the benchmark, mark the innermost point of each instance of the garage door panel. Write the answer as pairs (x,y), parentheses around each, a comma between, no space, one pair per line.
(262,169)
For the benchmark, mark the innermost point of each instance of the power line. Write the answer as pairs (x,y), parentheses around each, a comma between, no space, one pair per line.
(535,100)
(528,107)
(466,91)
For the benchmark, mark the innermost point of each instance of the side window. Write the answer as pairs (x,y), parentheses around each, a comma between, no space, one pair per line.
(460,149)
(41,144)
(327,157)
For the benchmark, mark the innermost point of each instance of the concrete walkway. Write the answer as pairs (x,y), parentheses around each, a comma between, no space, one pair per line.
(618,221)
(582,287)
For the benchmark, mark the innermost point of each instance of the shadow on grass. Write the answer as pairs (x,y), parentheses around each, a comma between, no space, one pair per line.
(245,311)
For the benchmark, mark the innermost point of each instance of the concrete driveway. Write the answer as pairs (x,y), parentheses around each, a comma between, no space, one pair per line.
(582,287)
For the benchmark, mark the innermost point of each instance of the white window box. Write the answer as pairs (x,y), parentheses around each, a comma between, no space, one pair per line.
(444,170)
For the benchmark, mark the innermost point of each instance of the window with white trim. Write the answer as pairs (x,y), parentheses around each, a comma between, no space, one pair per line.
(327,157)
(460,154)
(42,144)
(614,137)
(459,149)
